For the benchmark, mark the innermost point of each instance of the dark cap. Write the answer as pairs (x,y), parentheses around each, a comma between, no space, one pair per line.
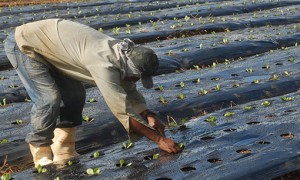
(146,62)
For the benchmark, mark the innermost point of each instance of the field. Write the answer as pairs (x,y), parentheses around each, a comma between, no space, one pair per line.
(227,87)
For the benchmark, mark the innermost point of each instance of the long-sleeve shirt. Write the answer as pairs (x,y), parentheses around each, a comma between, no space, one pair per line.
(87,55)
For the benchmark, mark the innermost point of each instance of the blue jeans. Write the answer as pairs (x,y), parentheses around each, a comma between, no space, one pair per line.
(57,99)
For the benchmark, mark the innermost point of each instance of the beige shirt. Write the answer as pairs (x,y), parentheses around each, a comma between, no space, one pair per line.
(85,54)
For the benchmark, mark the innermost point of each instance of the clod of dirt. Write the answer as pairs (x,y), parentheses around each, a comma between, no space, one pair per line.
(215,160)
(287,135)
(188,168)
(243,151)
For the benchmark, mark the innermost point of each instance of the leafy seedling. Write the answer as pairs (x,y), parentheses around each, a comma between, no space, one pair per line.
(285,73)
(127,145)
(256,81)
(122,163)
(155,156)
(266,103)
(214,65)
(94,171)
(181,145)
(12,86)
(203,91)
(41,169)
(161,88)
(274,77)
(267,66)
(2,78)
(217,88)
(96,154)
(3,141)
(211,119)
(248,108)
(228,114)
(292,59)
(249,70)
(92,100)
(163,100)
(236,85)
(70,163)
(19,121)
(285,98)
(197,67)
(6,177)
(181,84)
(3,103)
(181,96)
(197,81)
(88,119)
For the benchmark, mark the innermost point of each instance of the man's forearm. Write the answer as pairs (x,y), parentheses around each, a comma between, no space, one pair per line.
(144,130)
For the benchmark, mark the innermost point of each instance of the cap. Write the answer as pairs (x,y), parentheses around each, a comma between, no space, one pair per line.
(146,61)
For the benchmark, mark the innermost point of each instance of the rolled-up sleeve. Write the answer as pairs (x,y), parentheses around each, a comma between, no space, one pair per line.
(108,81)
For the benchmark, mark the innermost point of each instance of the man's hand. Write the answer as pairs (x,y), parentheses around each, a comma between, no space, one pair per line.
(168,145)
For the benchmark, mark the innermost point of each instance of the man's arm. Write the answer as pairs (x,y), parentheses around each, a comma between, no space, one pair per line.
(164,143)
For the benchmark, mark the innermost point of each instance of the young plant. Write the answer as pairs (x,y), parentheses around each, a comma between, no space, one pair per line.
(180,96)
(225,41)
(181,84)
(274,77)
(292,59)
(12,85)
(285,73)
(249,70)
(19,121)
(163,100)
(6,177)
(70,163)
(285,98)
(122,163)
(92,100)
(214,65)
(228,114)
(116,30)
(3,141)
(266,103)
(94,171)
(217,88)
(155,156)
(127,145)
(41,169)
(248,108)
(2,77)
(181,145)
(197,81)
(3,102)
(161,88)
(88,119)
(197,67)
(211,119)
(96,154)
(203,91)
(256,81)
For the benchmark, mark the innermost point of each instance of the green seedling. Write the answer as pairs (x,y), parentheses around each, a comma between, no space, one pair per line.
(56,178)
(187,18)
(91,100)
(203,91)
(285,73)
(247,108)
(274,77)
(122,163)
(181,145)
(116,30)
(225,41)
(170,53)
(180,96)
(185,49)
(256,81)
(200,45)
(88,119)
(236,85)
(211,119)
(70,163)
(127,145)
(266,103)
(197,67)
(285,98)
(292,59)
(162,100)
(3,102)
(267,66)
(19,121)
(12,85)
(181,84)
(41,169)
(96,154)
(161,88)
(155,156)
(3,141)
(249,70)
(94,171)
(214,65)
(217,88)
(2,77)
(198,81)
(27,100)
(100,30)
(6,177)
(228,114)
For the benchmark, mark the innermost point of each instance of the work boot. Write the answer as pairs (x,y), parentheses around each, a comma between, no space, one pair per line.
(41,155)
(63,146)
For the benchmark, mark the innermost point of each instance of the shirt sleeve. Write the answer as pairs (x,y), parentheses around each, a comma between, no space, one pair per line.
(108,81)
(135,98)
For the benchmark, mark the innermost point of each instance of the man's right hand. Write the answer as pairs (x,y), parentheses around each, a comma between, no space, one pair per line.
(168,145)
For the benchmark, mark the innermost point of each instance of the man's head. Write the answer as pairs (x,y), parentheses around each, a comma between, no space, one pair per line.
(146,61)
